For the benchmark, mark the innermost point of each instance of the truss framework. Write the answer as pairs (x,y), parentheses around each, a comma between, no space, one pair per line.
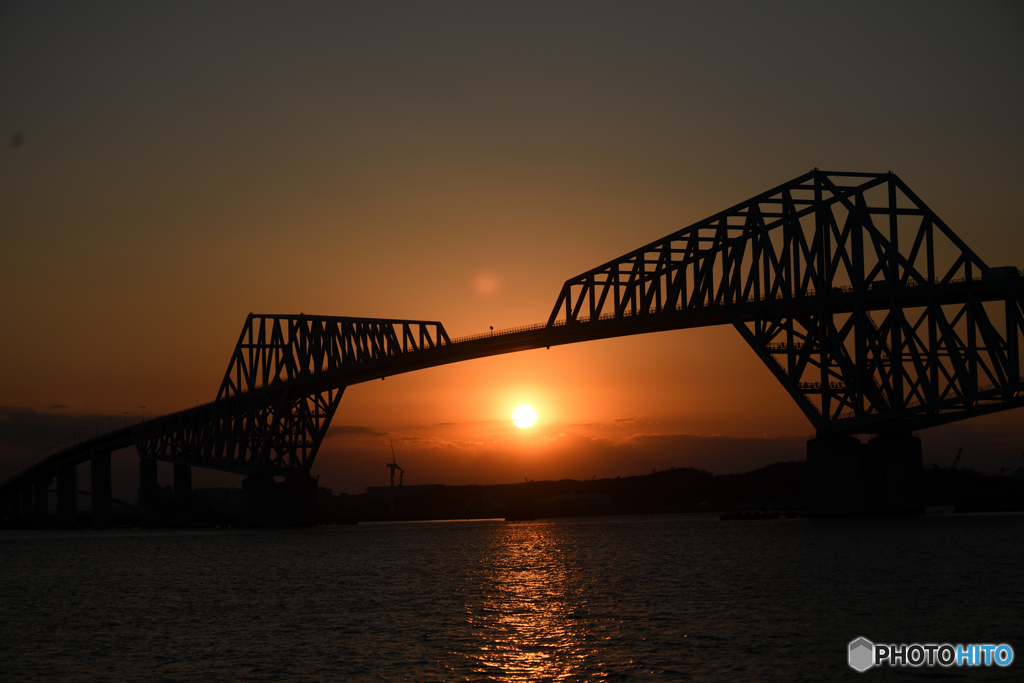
(873,314)
(274,349)
(277,431)
(273,409)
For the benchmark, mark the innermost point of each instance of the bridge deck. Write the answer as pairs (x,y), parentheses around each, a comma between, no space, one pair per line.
(866,307)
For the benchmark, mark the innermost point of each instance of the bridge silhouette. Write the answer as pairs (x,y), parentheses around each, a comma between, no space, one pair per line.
(869,310)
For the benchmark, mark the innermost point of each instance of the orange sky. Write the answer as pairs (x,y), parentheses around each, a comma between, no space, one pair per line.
(183,165)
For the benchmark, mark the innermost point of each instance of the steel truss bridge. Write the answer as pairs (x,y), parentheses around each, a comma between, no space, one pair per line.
(871,312)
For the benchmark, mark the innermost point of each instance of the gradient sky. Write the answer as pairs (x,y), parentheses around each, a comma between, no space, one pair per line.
(181,164)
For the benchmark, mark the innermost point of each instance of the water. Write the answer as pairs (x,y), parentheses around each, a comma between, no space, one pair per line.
(588,599)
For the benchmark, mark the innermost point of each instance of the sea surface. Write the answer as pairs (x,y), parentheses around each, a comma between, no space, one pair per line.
(638,598)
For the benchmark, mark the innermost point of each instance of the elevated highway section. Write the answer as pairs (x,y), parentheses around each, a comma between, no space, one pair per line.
(871,312)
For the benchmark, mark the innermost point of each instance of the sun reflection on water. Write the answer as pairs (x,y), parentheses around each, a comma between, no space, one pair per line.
(527,608)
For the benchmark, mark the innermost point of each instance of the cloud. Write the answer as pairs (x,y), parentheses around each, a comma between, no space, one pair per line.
(28,435)
(351,463)
(36,429)
(338,430)
(354,456)
(619,423)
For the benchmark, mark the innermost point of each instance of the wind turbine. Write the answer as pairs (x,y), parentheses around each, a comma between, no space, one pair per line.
(401,474)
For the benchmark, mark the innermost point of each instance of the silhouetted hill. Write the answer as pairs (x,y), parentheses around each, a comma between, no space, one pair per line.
(970,491)
(780,486)
(777,486)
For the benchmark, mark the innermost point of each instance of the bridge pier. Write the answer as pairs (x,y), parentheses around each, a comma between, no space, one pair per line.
(269,503)
(881,477)
(182,495)
(67,496)
(149,494)
(41,497)
(99,474)
(258,491)
(903,463)
(300,494)
(25,501)
(14,503)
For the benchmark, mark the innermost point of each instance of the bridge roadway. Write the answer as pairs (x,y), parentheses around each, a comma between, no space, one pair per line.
(524,339)
(873,324)
(456,350)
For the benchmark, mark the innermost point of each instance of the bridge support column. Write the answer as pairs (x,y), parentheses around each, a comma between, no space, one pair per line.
(13,508)
(182,495)
(902,462)
(67,496)
(41,497)
(149,494)
(99,474)
(881,477)
(260,508)
(300,500)
(25,500)
(292,501)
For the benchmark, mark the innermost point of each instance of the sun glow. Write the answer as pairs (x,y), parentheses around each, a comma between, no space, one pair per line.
(524,416)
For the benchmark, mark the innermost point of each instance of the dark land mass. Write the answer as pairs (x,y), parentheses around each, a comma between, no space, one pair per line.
(779,488)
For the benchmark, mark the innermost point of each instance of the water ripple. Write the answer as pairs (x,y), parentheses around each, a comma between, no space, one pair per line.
(597,599)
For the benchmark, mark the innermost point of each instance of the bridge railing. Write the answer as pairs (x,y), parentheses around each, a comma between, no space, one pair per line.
(701,306)
(697,307)
(504,332)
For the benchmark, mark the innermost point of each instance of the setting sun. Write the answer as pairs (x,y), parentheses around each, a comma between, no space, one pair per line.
(524,416)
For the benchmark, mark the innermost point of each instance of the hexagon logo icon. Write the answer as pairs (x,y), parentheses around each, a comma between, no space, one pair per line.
(862,654)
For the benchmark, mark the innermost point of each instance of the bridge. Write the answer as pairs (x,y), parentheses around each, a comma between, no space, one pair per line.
(869,310)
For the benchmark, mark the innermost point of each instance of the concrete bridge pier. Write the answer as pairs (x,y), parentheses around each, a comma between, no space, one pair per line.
(258,491)
(881,477)
(41,497)
(67,496)
(300,494)
(13,501)
(182,495)
(99,474)
(269,503)
(902,461)
(25,501)
(149,494)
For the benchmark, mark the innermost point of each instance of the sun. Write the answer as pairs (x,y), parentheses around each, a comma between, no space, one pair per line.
(524,416)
